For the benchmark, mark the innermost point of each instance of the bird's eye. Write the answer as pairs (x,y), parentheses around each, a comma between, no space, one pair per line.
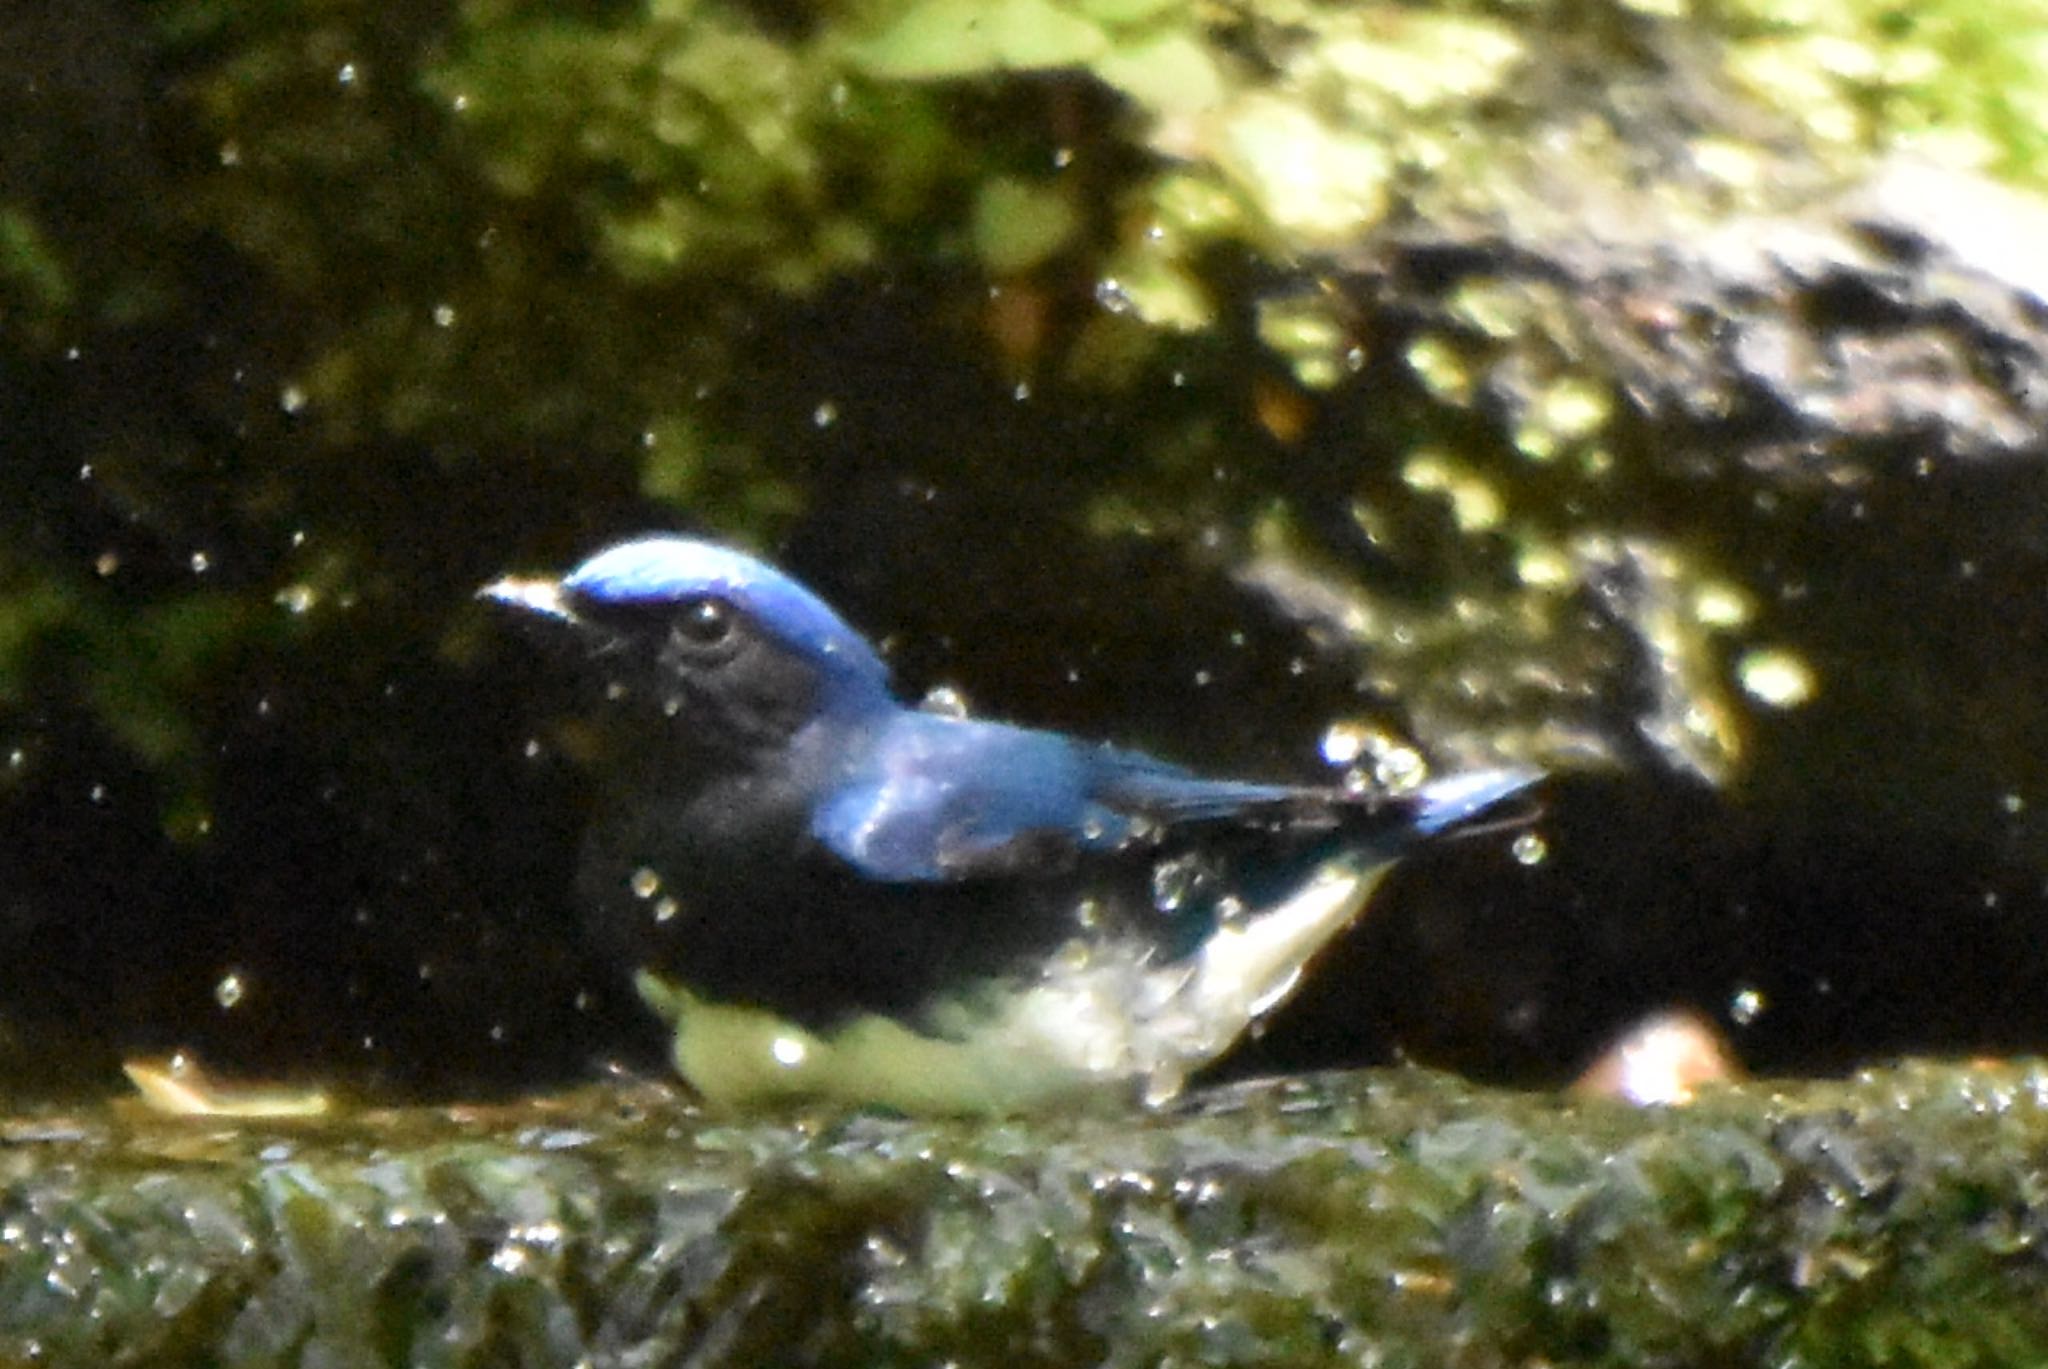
(704,622)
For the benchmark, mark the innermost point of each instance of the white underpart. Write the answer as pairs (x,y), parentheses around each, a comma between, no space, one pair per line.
(1099,1019)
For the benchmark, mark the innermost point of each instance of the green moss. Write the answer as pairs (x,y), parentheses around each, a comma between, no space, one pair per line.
(1308,333)
(690,152)
(685,464)
(930,39)
(1018,225)
(1398,1217)
(618,192)
(1959,82)
(30,269)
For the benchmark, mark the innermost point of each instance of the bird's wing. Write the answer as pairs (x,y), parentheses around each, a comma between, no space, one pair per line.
(947,799)
(1148,789)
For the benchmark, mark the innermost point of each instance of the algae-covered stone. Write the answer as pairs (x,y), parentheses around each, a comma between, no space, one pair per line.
(1397,1218)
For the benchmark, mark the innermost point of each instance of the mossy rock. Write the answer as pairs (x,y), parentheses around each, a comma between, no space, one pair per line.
(1401,1217)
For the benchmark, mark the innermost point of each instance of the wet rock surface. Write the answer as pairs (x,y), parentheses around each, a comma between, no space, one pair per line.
(1324,1219)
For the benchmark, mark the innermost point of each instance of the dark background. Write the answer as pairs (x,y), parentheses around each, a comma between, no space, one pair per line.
(274,789)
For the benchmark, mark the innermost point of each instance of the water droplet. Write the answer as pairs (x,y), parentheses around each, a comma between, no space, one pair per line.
(1175,881)
(1746,1006)
(825,415)
(1776,678)
(1073,957)
(296,599)
(347,75)
(666,908)
(1530,849)
(2012,803)
(444,316)
(1063,158)
(1344,742)
(945,701)
(98,794)
(201,563)
(107,562)
(646,883)
(788,1051)
(292,399)
(532,749)
(1399,769)
(230,153)
(1203,678)
(228,992)
(1163,1085)
(1111,295)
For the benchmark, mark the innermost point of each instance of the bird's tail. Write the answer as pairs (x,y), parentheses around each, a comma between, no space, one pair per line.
(1454,801)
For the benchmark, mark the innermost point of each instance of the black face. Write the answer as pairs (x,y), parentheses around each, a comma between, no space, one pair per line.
(729,685)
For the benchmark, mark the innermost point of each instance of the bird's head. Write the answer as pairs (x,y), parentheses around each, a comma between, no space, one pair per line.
(734,651)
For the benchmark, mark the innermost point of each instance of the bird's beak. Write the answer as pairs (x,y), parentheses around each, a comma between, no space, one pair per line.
(538,597)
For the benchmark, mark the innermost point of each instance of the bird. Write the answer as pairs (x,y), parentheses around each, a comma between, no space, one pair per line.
(830,895)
